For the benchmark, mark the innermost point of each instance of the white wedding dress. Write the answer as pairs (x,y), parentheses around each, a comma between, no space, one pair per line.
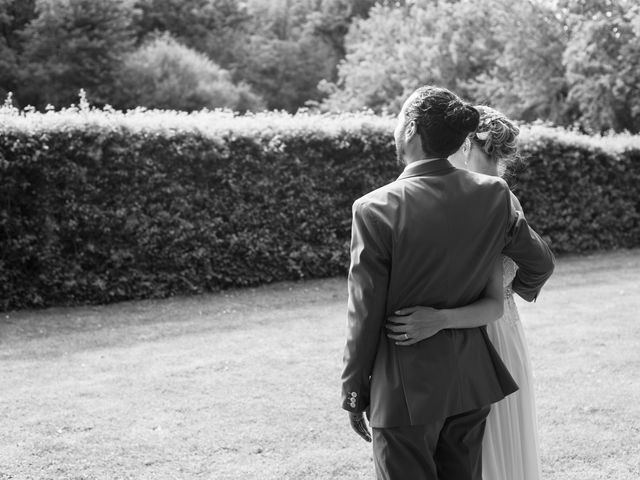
(510,447)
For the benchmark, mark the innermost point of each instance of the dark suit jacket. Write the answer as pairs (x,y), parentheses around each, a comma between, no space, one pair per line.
(431,238)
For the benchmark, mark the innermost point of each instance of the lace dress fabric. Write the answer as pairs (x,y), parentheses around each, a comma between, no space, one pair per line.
(510,448)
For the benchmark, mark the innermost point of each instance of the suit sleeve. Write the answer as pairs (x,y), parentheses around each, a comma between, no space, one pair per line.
(530,252)
(367,285)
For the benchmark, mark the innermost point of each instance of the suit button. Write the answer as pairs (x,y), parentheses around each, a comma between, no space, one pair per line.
(354,394)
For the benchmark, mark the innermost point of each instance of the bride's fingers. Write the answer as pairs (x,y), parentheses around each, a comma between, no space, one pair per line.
(406,311)
(402,341)
(403,312)
(399,336)
(400,320)
(397,328)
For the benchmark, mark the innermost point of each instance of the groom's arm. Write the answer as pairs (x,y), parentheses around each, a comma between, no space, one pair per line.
(367,285)
(530,252)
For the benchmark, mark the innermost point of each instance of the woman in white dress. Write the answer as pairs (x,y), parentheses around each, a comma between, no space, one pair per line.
(510,446)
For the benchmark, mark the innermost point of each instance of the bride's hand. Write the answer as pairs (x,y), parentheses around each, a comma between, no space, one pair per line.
(410,325)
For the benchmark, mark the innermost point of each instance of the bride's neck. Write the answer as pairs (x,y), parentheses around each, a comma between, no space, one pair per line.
(490,170)
(484,165)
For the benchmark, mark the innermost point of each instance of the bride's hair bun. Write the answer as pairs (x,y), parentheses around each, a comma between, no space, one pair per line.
(497,136)
(463,117)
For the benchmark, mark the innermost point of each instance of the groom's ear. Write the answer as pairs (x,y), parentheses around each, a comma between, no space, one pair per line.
(412,140)
(410,130)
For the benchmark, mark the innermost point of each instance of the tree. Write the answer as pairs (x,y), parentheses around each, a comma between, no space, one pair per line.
(566,61)
(603,66)
(165,74)
(74,44)
(399,48)
(374,73)
(14,15)
(214,27)
(285,73)
(330,23)
(527,80)
(284,59)
(264,43)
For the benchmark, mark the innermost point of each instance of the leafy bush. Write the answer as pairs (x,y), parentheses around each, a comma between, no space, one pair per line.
(100,206)
(165,74)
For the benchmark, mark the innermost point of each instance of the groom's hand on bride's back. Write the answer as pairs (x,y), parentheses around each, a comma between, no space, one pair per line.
(359,425)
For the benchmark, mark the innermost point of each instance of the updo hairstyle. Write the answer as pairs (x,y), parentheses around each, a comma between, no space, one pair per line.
(443,120)
(497,136)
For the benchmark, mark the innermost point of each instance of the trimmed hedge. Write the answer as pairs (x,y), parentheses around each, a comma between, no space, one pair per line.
(97,207)
(582,194)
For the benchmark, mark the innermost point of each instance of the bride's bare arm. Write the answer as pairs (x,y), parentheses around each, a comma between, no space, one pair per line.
(413,324)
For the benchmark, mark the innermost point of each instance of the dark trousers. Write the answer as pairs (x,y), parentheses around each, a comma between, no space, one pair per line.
(450,449)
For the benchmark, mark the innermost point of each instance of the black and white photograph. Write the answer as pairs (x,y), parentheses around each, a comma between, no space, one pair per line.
(319,239)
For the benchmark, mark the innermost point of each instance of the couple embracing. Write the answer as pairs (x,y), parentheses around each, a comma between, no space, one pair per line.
(433,334)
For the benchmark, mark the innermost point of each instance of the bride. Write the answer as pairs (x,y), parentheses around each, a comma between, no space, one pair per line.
(510,445)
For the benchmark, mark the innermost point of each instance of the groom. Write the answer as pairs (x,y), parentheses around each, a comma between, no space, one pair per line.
(431,238)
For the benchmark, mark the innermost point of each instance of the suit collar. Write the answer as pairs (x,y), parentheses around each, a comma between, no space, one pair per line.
(441,166)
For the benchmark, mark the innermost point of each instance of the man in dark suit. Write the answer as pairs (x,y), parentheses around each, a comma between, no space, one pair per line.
(431,238)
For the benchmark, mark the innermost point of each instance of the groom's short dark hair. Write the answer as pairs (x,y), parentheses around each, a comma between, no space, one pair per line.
(443,120)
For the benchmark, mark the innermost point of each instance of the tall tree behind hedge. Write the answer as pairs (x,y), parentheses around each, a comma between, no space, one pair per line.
(603,64)
(527,80)
(330,23)
(374,72)
(292,45)
(14,15)
(565,61)
(280,58)
(285,73)
(264,43)
(164,74)
(398,48)
(214,27)
(74,44)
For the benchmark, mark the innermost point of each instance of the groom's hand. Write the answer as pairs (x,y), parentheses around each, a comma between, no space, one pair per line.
(359,425)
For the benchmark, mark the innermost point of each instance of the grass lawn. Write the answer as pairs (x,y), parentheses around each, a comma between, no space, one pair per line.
(245,384)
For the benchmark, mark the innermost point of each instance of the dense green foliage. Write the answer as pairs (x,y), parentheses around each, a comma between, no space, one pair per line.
(567,61)
(603,67)
(102,206)
(70,45)
(167,74)
(279,50)
(571,62)
(581,193)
